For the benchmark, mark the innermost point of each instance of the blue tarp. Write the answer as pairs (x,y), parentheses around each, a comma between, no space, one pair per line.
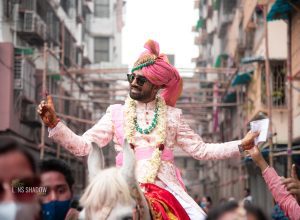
(230,97)
(281,9)
(242,78)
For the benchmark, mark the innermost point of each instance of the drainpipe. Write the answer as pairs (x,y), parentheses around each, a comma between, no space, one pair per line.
(16,18)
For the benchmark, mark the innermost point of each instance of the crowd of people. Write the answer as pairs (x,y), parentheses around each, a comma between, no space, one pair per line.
(19,171)
(30,190)
(153,127)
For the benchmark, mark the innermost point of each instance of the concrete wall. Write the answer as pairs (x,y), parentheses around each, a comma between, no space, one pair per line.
(107,27)
(279,29)
(295,50)
(6,85)
(295,41)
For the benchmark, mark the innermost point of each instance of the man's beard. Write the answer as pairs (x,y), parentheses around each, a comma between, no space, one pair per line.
(137,96)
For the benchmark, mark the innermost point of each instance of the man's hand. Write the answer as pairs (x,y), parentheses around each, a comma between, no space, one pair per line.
(258,158)
(73,214)
(47,112)
(292,184)
(248,140)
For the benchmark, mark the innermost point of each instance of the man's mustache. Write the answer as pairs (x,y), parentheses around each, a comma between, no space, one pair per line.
(135,87)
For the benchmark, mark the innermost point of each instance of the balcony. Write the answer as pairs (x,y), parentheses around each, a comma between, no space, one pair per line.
(224,21)
(32,28)
(201,39)
(226,16)
(257,99)
(27,5)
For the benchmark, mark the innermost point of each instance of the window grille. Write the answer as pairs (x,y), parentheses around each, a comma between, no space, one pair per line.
(278,88)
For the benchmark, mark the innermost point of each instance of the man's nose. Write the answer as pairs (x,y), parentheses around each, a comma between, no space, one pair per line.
(8,194)
(134,82)
(53,195)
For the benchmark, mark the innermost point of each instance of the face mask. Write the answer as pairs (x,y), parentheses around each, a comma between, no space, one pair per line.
(55,210)
(203,204)
(18,211)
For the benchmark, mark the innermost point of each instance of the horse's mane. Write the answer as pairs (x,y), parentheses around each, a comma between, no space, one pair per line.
(107,189)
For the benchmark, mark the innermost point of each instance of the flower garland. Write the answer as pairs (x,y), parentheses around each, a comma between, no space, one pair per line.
(130,128)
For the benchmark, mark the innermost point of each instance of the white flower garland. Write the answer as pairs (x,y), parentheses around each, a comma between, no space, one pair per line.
(130,115)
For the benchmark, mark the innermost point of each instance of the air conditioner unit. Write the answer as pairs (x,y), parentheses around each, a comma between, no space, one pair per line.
(34,24)
(29,21)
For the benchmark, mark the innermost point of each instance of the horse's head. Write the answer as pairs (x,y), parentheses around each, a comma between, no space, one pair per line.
(113,193)
(107,190)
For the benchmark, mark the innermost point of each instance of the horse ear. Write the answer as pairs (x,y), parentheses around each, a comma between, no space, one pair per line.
(95,160)
(128,168)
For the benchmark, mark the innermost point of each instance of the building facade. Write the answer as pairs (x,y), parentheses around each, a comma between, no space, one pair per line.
(41,43)
(232,34)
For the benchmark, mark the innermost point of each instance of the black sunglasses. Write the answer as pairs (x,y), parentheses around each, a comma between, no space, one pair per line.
(140,80)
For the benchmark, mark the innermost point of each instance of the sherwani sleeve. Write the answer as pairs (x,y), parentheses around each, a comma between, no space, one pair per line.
(284,199)
(193,144)
(101,133)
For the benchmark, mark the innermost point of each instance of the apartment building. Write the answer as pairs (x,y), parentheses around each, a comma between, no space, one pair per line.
(232,34)
(55,39)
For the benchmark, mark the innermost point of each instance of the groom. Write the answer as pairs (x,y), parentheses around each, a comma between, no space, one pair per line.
(151,124)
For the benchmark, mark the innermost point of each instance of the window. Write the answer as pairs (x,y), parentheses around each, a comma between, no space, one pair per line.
(101,9)
(101,49)
(278,87)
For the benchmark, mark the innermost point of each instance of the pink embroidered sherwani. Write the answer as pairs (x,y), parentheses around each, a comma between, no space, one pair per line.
(179,134)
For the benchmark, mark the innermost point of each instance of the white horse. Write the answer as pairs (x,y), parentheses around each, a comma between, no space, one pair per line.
(113,193)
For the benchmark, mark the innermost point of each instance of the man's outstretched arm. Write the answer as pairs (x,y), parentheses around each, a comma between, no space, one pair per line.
(193,144)
(101,133)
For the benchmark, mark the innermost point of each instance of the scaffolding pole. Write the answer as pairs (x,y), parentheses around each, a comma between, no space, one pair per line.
(62,59)
(290,102)
(268,81)
(44,81)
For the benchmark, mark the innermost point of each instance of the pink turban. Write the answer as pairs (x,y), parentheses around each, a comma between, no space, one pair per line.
(160,72)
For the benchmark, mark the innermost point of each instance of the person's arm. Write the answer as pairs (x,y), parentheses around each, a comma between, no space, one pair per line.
(192,143)
(101,133)
(284,199)
(293,184)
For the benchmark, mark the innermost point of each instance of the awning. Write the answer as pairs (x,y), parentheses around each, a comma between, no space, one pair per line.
(56,77)
(281,9)
(230,97)
(200,24)
(247,60)
(219,59)
(24,51)
(242,78)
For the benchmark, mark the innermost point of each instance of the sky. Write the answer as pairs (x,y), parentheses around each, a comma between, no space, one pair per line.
(169,22)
